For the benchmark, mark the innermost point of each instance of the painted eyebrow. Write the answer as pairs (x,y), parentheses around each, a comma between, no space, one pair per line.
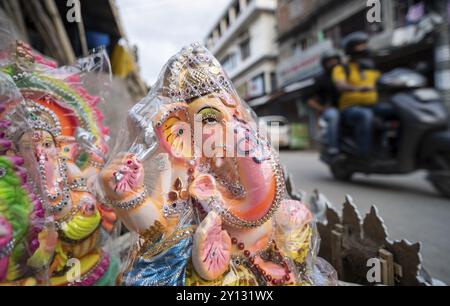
(206,107)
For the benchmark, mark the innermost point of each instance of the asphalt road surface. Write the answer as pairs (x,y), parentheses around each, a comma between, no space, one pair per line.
(410,207)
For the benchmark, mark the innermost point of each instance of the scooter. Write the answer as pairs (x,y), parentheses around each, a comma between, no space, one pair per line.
(417,138)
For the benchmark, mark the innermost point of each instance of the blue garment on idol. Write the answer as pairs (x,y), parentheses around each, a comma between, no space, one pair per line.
(165,269)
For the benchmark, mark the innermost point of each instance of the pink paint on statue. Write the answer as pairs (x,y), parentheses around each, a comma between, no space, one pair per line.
(6,236)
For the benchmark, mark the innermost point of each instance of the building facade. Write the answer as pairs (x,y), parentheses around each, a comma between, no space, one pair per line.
(244,41)
(272,49)
(307,28)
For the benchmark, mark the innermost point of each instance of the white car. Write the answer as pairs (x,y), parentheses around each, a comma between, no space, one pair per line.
(278,130)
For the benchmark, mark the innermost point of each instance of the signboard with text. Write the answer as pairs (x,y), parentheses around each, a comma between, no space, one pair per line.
(302,65)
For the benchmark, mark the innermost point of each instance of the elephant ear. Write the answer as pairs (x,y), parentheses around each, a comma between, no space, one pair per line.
(174,131)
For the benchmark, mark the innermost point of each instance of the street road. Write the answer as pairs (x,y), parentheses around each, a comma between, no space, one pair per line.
(410,207)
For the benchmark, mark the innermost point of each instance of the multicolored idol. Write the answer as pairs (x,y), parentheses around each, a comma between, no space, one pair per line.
(56,129)
(203,188)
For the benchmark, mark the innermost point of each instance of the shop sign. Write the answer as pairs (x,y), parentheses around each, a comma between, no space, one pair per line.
(302,65)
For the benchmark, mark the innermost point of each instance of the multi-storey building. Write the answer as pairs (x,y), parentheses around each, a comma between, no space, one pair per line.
(306,28)
(244,41)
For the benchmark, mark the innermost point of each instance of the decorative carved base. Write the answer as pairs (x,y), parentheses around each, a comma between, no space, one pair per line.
(360,249)
(362,253)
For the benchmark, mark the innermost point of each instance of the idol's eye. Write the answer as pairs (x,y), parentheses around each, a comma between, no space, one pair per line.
(210,115)
(47,144)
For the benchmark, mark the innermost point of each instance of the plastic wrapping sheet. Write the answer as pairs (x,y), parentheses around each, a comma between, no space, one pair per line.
(195,179)
(22,218)
(7,34)
(57,129)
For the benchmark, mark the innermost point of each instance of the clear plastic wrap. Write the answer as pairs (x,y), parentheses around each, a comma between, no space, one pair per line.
(200,187)
(56,127)
(22,218)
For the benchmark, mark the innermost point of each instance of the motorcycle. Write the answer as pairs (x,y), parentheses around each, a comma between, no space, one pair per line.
(417,138)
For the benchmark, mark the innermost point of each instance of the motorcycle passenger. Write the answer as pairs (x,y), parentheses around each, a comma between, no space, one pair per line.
(356,83)
(325,99)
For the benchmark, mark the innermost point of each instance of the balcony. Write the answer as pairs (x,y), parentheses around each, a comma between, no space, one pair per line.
(242,21)
(291,20)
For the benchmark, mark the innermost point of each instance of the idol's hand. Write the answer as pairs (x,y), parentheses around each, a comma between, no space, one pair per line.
(212,248)
(123,178)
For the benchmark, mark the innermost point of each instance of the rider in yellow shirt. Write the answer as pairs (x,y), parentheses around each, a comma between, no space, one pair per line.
(363,80)
(356,83)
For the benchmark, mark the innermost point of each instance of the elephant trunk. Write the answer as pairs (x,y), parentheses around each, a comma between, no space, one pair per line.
(260,180)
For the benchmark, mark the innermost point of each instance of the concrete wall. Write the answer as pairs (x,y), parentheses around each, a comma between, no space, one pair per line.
(261,31)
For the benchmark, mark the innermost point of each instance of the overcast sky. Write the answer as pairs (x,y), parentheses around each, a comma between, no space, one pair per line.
(161,27)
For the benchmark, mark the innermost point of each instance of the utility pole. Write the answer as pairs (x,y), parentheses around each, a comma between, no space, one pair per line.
(442,51)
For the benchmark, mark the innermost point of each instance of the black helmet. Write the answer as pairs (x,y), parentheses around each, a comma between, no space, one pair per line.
(330,54)
(353,39)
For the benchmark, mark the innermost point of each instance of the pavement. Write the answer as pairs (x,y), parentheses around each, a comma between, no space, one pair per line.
(408,204)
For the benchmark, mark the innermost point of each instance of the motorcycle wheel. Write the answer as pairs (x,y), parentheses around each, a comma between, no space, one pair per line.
(340,171)
(440,175)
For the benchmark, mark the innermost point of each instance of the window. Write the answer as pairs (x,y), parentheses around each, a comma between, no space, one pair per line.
(273,81)
(209,42)
(296,48)
(356,22)
(296,9)
(302,44)
(256,87)
(229,62)
(334,34)
(245,48)
(237,8)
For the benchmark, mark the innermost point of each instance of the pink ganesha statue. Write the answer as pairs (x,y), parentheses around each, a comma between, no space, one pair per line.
(203,190)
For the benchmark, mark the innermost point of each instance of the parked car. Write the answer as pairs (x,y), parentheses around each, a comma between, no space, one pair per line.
(278,130)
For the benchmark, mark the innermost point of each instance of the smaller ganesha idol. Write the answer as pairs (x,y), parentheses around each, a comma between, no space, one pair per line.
(21,212)
(56,128)
(203,190)
(21,220)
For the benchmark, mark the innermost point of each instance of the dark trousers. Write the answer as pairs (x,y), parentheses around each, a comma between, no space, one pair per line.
(361,119)
(331,116)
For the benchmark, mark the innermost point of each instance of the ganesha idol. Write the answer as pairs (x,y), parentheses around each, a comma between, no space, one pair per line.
(56,128)
(202,189)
